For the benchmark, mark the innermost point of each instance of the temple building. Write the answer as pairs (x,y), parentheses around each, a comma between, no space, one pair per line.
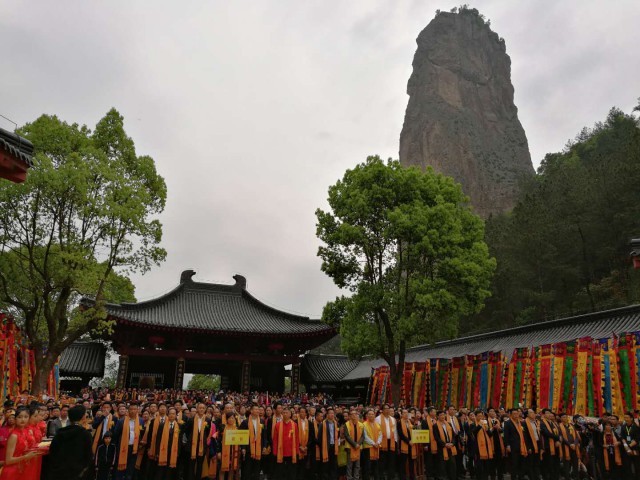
(211,329)
(79,363)
(16,156)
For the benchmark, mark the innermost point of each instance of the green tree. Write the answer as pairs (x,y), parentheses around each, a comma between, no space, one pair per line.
(563,249)
(412,254)
(204,382)
(84,219)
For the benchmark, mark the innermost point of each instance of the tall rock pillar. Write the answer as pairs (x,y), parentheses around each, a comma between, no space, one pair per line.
(461,118)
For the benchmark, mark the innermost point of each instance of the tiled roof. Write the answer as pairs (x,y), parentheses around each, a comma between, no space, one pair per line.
(320,368)
(83,359)
(17,146)
(596,325)
(216,308)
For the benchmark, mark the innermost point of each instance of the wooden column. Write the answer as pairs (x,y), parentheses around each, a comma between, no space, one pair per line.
(295,378)
(123,365)
(179,373)
(245,376)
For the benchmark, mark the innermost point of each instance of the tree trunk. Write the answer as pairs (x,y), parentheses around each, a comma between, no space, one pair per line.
(44,364)
(395,375)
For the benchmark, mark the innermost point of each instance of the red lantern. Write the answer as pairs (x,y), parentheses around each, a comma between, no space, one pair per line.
(276,347)
(636,262)
(156,341)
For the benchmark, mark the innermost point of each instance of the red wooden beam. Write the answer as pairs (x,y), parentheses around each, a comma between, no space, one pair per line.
(148,352)
(12,168)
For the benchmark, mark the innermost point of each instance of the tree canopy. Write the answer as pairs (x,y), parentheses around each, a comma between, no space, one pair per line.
(204,382)
(564,249)
(83,220)
(411,253)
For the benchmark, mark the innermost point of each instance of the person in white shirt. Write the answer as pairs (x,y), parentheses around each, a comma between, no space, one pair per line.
(389,434)
(371,451)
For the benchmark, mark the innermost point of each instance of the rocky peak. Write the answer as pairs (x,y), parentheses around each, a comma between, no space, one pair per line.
(461,118)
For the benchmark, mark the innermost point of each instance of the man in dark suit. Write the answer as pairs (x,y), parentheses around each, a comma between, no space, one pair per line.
(120,435)
(252,453)
(515,444)
(550,445)
(70,455)
(328,433)
(197,432)
(446,439)
(533,440)
(315,445)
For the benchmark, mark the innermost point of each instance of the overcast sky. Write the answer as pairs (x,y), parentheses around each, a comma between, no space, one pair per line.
(251,109)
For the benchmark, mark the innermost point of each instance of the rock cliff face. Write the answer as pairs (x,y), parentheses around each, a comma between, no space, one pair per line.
(461,118)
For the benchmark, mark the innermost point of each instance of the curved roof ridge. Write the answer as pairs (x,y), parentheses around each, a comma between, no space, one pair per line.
(148,303)
(334,355)
(216,307)
(261,304)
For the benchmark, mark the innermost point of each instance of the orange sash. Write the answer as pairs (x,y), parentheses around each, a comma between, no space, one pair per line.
(552,442)
(616,452)
(255,441)
(445,450)
(124,441)
(485,445)
(293,438)
(325,442)
(565,450)
(523,445)
(373,430)
(141,452)
(383,427)
(164,445)
(98,435)
(406,431)
(154,433)
(303,433)
(434,445)
(532,434)
(317,427)
(197,438)
(354,453)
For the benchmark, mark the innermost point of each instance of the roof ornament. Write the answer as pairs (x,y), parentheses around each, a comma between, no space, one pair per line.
(240,281)
(185,277)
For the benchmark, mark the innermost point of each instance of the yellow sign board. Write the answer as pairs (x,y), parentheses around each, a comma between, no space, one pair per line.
(236,437)
(419,436)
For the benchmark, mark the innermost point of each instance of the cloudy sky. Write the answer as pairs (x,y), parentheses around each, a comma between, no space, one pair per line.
(251,109)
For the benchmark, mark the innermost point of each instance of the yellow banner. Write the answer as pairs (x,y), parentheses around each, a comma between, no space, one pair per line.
(419,436)
(616,391)
(236,437)
(581,383)
(558,363)
(510,375)
(455,371)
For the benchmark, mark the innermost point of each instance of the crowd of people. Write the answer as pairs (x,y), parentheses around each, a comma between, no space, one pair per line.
(181,435)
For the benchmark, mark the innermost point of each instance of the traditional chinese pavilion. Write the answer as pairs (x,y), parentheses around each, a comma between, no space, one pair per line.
(211,329)
(16,155)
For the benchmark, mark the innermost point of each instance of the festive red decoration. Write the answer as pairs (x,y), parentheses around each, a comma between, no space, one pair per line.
(156,341)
